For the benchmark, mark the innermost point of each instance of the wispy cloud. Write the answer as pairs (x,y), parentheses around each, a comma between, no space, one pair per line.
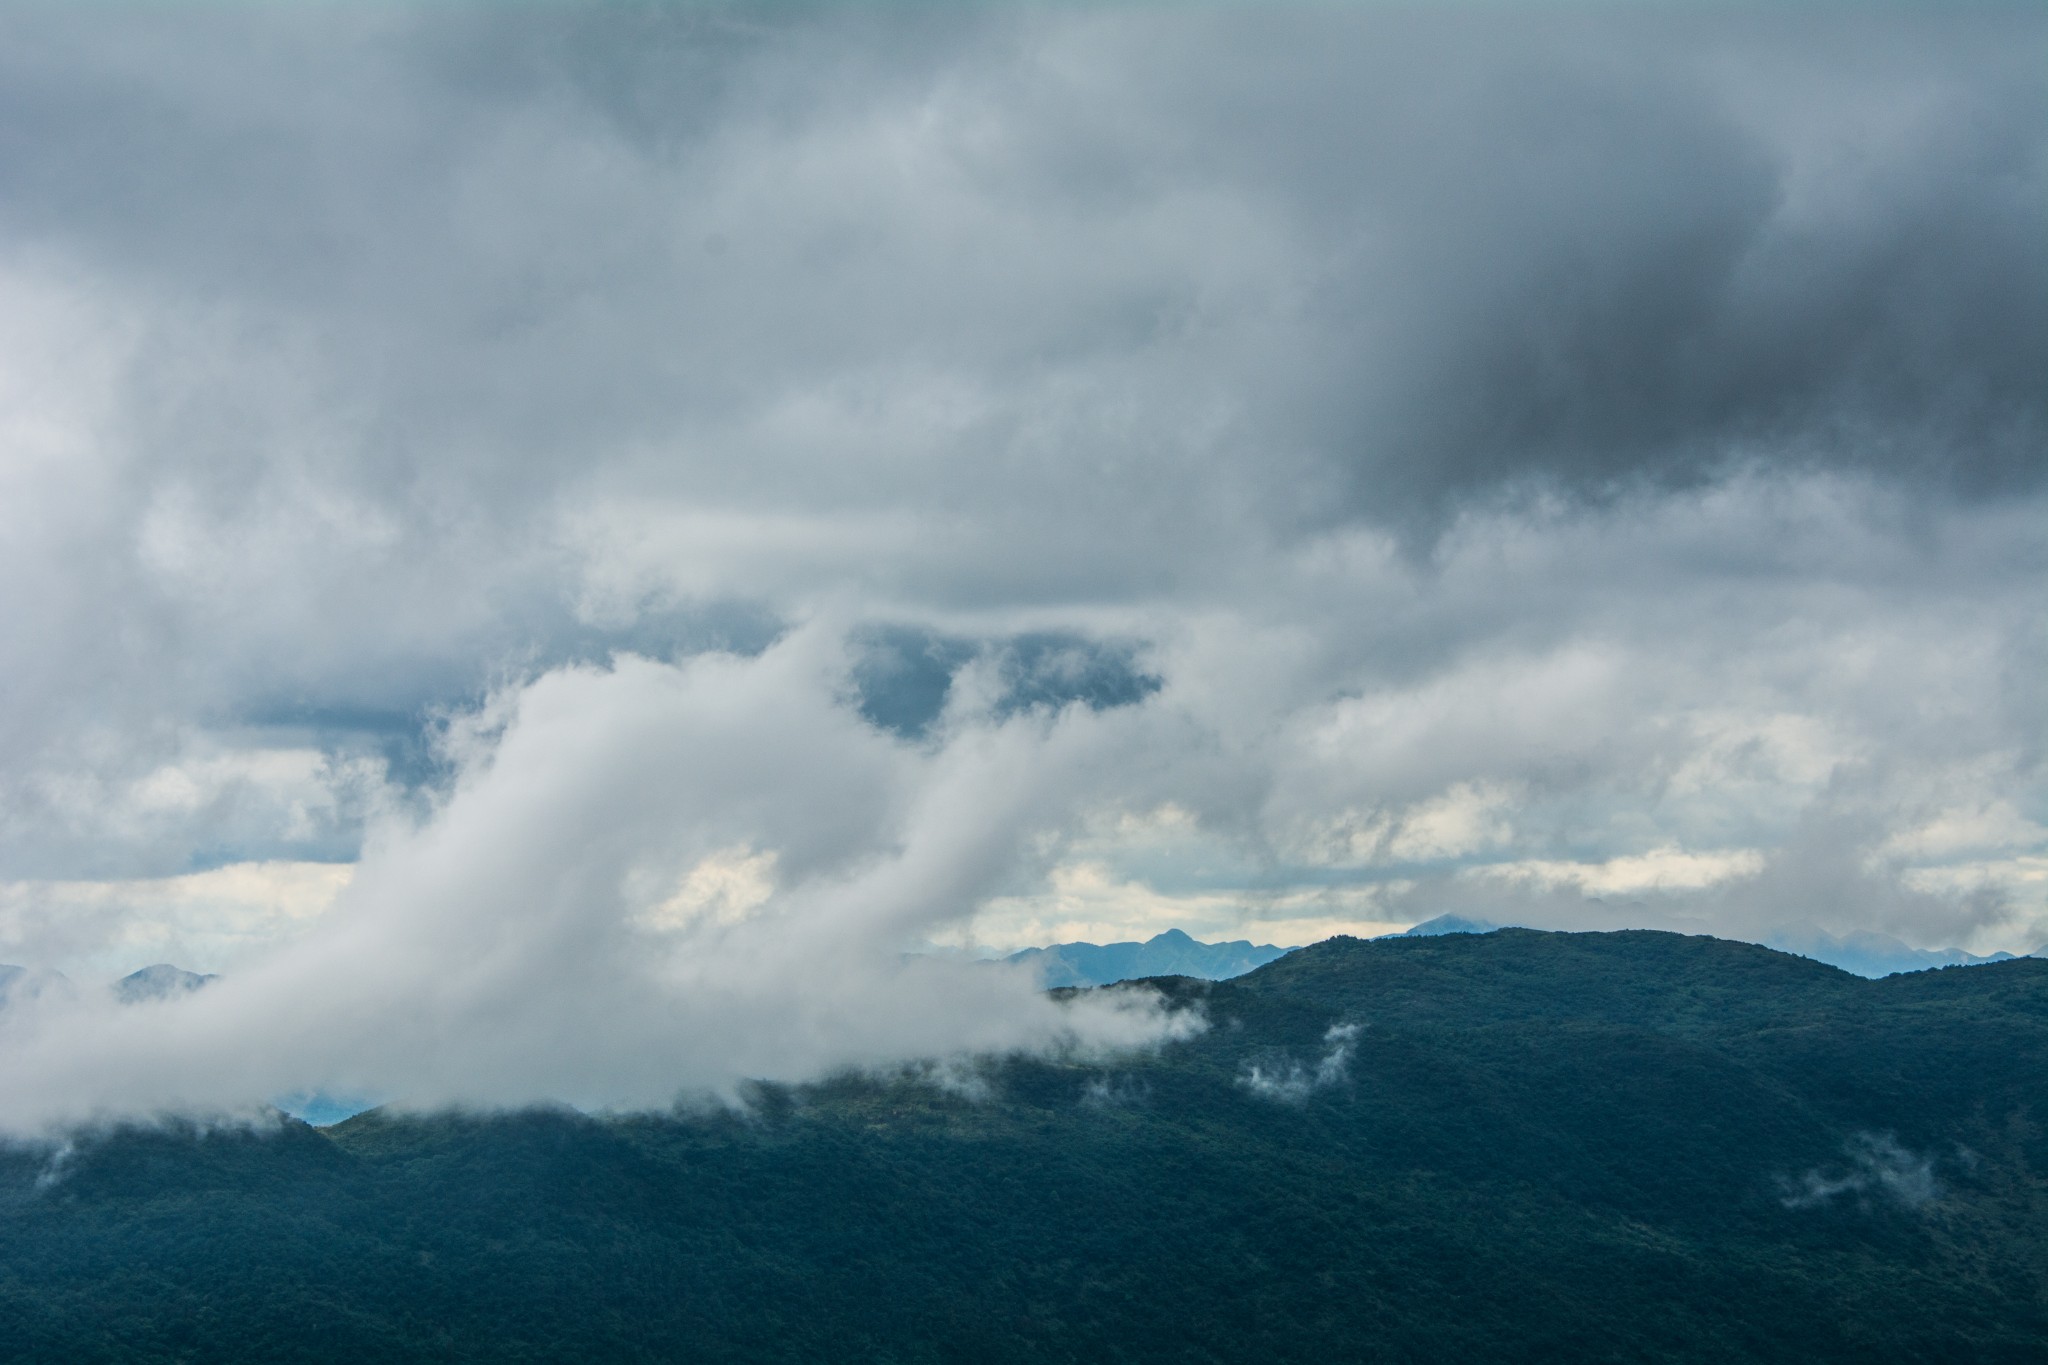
(1876,1167)
(1289,1082)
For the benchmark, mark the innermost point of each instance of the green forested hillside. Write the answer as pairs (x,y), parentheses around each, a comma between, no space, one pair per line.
(1516,1146)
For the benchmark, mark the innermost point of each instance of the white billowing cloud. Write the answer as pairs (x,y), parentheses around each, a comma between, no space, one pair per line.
(725,887)
(583,918)
(205,791)
(1464,820)
(217,920)
(1663,869)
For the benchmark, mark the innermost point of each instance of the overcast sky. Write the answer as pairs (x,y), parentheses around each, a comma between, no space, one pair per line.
(494,497)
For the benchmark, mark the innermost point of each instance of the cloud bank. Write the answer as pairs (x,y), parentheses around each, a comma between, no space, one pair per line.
(581,918)
(502,505)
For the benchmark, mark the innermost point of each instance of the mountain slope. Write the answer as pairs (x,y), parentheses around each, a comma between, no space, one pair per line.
(1508,1147)
(1862,952)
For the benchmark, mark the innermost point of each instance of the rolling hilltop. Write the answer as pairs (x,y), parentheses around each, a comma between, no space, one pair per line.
(1512,1146)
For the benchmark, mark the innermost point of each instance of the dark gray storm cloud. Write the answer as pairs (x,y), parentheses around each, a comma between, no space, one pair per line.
(1619,263)
(1261,469)
(1418,258)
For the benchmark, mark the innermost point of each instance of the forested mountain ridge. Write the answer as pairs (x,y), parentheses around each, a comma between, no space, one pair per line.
(1515,1146)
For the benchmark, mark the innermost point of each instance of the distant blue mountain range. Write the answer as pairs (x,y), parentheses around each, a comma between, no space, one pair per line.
(1870,954)
(1172,953)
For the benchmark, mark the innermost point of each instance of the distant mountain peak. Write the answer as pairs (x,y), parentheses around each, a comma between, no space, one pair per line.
(1449,924)
(159,981)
